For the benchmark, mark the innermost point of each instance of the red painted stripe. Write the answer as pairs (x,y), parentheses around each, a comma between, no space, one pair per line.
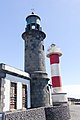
(54,58)
(56,81)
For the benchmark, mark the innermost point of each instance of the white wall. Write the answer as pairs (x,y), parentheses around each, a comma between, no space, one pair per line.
(28,96)
(6,95)
(19,95)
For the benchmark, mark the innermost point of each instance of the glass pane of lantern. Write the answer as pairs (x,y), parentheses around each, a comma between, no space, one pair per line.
(33,27)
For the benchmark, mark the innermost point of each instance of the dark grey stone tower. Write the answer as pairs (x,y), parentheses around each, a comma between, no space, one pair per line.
(35,61)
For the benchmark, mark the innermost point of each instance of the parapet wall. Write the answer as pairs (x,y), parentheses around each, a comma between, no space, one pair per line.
(42,113)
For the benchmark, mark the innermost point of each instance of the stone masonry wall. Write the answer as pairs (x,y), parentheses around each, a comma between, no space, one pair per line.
(57,113)
(39,90)
(43,113)
(39,93)
(34,52)
(32,114)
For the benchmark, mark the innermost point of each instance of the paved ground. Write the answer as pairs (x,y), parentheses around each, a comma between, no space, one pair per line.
(75,112)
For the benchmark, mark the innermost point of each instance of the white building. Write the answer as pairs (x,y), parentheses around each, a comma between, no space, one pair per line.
(14,89)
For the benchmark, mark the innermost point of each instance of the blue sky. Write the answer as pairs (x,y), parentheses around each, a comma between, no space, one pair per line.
(61,23)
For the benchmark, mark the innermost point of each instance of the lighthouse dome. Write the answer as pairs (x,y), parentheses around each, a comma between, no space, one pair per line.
(33,22)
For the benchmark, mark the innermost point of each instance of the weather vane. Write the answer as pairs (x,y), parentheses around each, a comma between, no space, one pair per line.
(33,10)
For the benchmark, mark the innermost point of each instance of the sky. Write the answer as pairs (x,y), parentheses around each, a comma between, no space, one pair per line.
(60,20)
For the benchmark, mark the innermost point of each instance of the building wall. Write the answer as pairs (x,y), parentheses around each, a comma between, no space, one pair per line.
(22,81)
(6,101)
(0,94)
(2,89)
(6,93)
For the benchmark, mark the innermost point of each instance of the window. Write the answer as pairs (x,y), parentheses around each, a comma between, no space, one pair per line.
(33,27)
(43,47)
(28,27)
(37,26)
(24,96)
(38,21)
(13,95)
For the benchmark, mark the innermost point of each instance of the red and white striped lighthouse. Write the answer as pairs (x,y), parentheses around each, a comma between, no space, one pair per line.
(57,95)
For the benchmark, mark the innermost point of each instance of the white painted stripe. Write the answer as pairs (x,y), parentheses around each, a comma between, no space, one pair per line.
(57,90)
(54,50)
(19,95)
(7,96)
(55,70)
(59,98)
(58,95)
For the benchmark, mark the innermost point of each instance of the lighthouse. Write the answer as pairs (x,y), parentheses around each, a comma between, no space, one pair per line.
(58,96)
(26,95)
(35,61)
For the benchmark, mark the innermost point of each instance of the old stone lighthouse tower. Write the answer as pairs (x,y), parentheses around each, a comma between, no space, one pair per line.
(35,61)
